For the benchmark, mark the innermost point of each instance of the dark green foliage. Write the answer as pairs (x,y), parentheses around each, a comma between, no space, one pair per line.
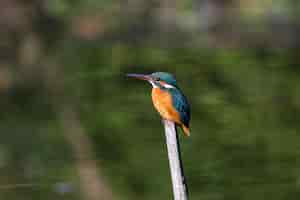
(244,141)
(245,129)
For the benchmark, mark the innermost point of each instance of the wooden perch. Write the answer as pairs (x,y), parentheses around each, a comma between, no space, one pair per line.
(180,190)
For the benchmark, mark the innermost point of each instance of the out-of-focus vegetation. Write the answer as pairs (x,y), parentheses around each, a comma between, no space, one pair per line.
(74,127)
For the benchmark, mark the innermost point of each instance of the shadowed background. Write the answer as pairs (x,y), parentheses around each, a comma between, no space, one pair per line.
(74,127)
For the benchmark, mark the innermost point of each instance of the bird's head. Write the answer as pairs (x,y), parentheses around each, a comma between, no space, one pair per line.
(158,79)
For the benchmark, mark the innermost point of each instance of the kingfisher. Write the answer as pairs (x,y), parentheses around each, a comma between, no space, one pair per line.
(168,99)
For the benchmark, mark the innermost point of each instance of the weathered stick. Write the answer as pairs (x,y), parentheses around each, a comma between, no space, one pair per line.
(178,179)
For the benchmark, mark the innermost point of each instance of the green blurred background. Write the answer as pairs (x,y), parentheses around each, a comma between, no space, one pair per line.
(74,127)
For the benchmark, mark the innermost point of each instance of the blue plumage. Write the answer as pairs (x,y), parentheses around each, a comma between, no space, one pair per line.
(181,105)
(180,102)
(180,109)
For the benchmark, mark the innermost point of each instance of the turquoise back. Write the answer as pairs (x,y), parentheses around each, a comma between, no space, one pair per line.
(181,104)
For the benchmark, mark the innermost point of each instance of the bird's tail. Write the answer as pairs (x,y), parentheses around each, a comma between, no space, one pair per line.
(186,130)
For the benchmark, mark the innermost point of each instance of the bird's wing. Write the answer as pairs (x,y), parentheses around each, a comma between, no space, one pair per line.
(182,106)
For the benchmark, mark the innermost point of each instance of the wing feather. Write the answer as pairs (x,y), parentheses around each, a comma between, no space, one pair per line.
(181,104)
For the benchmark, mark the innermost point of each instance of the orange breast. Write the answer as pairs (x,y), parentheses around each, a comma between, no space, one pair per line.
(162,102)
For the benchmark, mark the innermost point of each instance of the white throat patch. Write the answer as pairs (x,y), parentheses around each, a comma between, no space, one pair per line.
(153,84)
(165,85)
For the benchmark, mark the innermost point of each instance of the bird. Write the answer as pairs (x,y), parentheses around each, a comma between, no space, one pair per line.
(168,99)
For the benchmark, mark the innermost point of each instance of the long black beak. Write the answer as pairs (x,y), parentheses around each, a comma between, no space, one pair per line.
(140,76)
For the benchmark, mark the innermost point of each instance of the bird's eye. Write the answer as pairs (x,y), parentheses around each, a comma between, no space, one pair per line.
(157,79)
